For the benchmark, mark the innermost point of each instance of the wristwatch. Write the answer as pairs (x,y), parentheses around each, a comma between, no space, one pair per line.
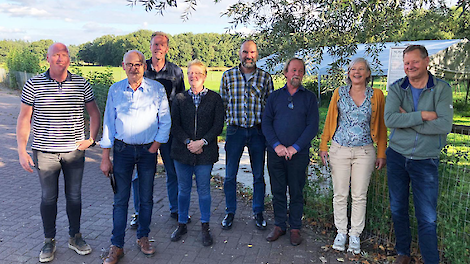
(187,141)
(93,142)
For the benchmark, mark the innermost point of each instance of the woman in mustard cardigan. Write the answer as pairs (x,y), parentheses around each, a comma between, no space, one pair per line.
(355,121)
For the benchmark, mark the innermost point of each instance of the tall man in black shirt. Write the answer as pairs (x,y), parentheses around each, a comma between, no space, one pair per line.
(171,76)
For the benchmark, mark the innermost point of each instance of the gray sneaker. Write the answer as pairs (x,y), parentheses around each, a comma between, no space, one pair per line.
(340,241)
(354,245)
(79,245)
(47,251)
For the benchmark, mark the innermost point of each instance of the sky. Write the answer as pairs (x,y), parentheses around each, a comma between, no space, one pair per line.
(79,21)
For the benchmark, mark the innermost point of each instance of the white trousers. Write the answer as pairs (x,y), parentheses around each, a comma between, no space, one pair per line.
(351,169)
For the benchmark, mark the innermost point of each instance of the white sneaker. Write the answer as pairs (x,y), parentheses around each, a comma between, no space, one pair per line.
(340,241)
(354,245)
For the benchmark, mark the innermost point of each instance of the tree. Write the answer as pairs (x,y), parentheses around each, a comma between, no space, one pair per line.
(23,60)
(40,47)
(308,27)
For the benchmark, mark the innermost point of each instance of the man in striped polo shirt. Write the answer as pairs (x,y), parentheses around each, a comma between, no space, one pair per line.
(55,102)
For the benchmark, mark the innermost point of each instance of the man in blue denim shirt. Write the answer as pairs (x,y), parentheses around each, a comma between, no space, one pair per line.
(136,121)
(419,113)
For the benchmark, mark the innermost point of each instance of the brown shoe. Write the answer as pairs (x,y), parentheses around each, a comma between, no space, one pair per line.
(402,259)
(114,255)
(275,234)
(295,238)
(144,245)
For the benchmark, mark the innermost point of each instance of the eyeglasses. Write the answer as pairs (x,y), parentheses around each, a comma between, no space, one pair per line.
(130,65)
(198,74)
(291,103)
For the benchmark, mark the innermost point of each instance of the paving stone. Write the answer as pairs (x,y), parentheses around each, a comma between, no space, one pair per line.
(21,234)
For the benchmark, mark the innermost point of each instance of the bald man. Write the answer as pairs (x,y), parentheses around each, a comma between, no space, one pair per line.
(55,101)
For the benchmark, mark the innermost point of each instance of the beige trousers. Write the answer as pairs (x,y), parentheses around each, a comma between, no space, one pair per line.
(351,168)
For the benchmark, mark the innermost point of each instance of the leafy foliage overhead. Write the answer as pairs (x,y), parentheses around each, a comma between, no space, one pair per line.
(288,27)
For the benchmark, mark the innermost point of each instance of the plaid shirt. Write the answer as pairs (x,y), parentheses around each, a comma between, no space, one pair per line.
(197,97)
(244,100)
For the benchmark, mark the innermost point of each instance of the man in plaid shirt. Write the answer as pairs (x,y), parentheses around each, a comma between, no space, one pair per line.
(245,90)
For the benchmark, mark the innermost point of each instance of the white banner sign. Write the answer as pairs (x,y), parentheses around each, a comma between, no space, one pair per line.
(395,65)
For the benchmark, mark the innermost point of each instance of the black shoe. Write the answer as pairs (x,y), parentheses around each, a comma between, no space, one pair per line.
(179,232)
(134,221)
(175,216)
(260,222)
(228,221)
(206,235)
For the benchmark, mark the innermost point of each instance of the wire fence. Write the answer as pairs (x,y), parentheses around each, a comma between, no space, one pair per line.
(15,79)
(453,209)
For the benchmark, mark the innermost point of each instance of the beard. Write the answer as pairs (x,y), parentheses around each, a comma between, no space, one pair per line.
(296,82)
(249,63)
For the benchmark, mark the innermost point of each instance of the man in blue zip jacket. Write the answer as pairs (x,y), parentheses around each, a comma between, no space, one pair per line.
(419,113)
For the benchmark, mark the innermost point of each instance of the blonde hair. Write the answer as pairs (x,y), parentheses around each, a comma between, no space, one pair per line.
(160,33)
(199,63)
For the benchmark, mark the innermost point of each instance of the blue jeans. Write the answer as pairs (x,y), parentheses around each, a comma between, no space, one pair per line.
(135,191)
(125,158)
(49,166)
(185,182)
(236,139)
(423,175)
(292,173)
(171,179)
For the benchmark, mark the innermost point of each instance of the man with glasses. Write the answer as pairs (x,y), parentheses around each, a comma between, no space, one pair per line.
(244,90)
(53,103)
(172,78)
(290,122)
(136,122)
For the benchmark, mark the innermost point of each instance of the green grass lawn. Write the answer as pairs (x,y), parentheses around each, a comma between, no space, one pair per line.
(212,81)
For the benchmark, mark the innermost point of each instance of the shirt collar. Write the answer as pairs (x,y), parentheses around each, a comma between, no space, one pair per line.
(406,82)
(68,78)
(153,69)
(301,88)
(201,93)
(142,85)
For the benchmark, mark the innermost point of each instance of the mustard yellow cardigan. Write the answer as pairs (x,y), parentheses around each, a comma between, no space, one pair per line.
(378,130)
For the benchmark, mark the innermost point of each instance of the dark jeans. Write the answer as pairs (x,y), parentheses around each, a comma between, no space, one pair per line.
(125,158)
(49,166)
(292,173)
(171,179)
(423,175)
(236,140)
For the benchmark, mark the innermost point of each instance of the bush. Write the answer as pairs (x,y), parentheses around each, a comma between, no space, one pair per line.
(22,60)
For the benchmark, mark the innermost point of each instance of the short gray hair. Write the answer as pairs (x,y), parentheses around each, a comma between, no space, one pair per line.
(141,55)
(352,63)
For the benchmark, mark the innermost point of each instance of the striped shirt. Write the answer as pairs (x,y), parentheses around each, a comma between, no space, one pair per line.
(245,99)
(58,108)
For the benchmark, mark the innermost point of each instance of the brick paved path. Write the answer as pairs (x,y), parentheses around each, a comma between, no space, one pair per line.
(21,234)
